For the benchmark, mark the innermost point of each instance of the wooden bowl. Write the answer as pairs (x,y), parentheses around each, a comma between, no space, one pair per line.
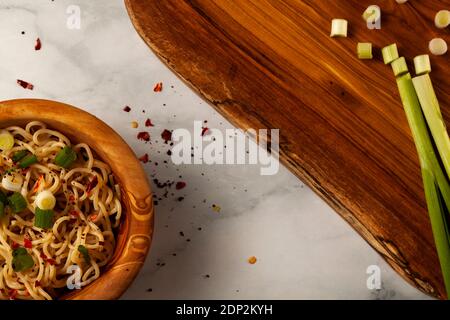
(135,233)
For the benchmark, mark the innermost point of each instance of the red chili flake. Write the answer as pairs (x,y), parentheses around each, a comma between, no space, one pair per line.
(12,294)
(204,130)
(71,198)
(27,243)
(43,256)
(92,184)
(144,135)
(24,84)
(148,123)
(158,87)
(144,158)
(37,283)
(180,185)
(166,135)
(51,262)
(93,217)
(74,214)
(38,44)
(15,245)
(127,109)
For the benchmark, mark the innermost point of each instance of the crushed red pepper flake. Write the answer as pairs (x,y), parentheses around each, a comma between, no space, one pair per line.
(38,44)
(205,130)
(144,158)
(158,87)
(91,185)
(25,84)
(144,135)
(127,109)
(12,294)
(166,135)
(27,243)
(180,185)
(14,245)
(148,123)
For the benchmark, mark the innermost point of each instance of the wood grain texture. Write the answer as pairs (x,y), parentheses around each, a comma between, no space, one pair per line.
(135,233)
(272,64)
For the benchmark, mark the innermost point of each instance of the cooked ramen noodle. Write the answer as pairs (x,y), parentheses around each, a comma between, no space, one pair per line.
(59,207)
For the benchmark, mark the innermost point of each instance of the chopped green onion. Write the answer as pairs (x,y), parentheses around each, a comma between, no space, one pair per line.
(2,209)
(422,64)
(19,155)
(84,251)
(65,157)
(438,46)
(21,260)
(390,53)
(442,19)
(6,140)
(364,50)
(339,28)
(28,161)
(43,218)
(3,197)
(372,14)
(17,202)
(399,66)
(433,115)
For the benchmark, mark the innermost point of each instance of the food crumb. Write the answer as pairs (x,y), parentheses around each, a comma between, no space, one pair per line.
(127,109)
(148,123)
(149,290)
(144,158)
(38,44)
(25,84)
(252,260)
(158,87)
(134,124)
(145,136)
(216,208)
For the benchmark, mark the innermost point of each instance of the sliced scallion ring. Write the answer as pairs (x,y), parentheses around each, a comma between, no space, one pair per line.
(422,64)
(399,66)
(6,140)
(339,28)
(43,218)
(364,50)
(442,19)
(390,53)
(438,46)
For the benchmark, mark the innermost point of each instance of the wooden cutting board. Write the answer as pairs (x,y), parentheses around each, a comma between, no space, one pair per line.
(272,64)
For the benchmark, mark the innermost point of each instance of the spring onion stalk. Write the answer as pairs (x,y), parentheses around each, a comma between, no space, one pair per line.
(438,46)
(442,19)
(22,260)
(3,197)
(17,202)
(6,140)
(364,50)
(372,14)
(19,155)
(65,157)
(399,66)
(417,123)
(422,64)
(45,200)
(438,225)
(390,53)
(339,28)
(28,161)
(43,218)
(433,115)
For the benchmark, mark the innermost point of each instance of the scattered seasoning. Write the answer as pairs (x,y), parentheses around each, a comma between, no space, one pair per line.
(204,130)
(169,152)
(25,85)
(91,185)
(180,199)
(207,276)
(134,124)
(127,109)
(148,123)
(182,233)
(180,185)
(27,243)
(144,158)
(14,245)
(216,208)
(252,260)
(149,290)
(144,135)
(38,44)
(166,135)
(158,87)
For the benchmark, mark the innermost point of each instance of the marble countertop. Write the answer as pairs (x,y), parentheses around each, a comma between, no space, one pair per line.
(304,249)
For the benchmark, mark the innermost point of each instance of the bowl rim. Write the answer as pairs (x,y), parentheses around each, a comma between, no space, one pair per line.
(136,231)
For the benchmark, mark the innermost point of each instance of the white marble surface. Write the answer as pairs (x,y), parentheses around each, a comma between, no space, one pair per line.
(304,249)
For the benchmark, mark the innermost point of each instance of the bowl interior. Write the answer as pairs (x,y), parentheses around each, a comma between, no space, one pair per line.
(133,238)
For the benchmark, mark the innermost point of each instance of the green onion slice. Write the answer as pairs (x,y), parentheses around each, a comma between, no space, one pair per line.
(6,140)
(19,155)
(65,157)
(28,161)
(399,66)
(390,53)
(84,251)
(339,28)
(364,50)
(22,260)
(17,202)
(3,197)
(43,218)
(422,64)
(2,209)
